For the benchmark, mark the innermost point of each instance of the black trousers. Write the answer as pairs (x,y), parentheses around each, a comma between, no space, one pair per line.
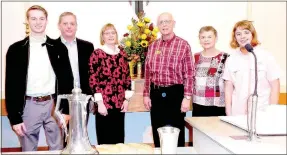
(205,111)
(165,110)
(110,128)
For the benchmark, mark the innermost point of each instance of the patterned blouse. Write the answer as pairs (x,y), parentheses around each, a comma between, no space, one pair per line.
(208,82)
(109,75)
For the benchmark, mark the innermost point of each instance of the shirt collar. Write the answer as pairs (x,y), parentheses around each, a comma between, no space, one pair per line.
(255,50)
(66,42)
(169,40)
(108,50)
(37,39)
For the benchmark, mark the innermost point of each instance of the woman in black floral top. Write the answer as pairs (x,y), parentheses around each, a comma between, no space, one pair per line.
(111,83)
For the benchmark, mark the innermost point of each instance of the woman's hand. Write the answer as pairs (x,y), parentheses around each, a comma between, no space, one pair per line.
(125,106)
(102,108)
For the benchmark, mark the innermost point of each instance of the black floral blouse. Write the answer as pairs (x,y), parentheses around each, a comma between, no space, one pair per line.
(109,75)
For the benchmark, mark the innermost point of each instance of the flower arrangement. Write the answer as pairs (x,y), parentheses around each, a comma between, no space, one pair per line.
(27,29)
(141,34)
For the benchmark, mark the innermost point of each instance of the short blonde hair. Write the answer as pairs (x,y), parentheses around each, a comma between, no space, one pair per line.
(244,24)
(66,14)
(36,7)
(104,28)
(208,28)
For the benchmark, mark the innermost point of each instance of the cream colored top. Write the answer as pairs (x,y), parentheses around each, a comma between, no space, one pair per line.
(41,77)
(239,69)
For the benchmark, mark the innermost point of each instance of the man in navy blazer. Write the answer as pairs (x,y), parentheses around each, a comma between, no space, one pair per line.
(79,53)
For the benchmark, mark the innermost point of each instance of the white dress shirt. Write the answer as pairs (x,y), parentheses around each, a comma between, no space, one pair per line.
(73,56)
(41,77)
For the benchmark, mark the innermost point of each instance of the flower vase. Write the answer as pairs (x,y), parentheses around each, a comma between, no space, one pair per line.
(131,66)
(139,70)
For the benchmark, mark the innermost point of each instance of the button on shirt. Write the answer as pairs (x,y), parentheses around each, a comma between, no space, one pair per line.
(169,62)
(41,77)
(73,56)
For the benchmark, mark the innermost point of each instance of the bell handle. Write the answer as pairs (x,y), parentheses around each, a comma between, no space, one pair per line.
(59,114)
(63,123)
(59,98)
(84,106)
(87,101)
(93,99)
(88,98)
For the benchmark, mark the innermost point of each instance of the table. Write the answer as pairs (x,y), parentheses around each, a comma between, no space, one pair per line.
(213,136)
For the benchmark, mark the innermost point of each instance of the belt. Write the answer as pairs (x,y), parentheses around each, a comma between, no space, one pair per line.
(160,86)
(40,98)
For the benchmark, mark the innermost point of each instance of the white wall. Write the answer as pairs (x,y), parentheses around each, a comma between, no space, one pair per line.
(13,29)
(190,16)
(91,17)
(269,20)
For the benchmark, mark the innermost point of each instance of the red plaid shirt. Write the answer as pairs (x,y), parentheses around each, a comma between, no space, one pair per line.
(169,62)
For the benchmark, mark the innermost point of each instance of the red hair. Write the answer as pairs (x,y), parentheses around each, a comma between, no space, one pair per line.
(244,24)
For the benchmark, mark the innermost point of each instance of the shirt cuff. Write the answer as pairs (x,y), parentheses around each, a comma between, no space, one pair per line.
(128,94)
(146,94)
(133,87)
(98,97)
(188,94)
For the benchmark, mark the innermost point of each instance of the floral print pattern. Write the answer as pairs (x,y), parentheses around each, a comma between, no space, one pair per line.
(109,75)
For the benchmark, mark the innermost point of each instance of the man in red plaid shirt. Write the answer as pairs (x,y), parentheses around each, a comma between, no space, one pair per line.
(168,79)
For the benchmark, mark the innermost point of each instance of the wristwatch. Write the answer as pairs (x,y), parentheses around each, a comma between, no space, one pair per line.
(187,97)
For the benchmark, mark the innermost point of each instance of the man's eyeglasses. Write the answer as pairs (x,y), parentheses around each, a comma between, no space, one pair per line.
(167,22)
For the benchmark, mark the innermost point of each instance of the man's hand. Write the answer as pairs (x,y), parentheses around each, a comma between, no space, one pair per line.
(125,106)
(20,129)
(185,105)
(66,118)
(147,103)
(102,108)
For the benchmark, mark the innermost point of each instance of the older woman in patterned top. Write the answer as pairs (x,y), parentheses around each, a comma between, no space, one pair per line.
(208,97)
(111,83)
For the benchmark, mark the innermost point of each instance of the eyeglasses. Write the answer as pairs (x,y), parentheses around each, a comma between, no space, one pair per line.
(167,22)
(108,33)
